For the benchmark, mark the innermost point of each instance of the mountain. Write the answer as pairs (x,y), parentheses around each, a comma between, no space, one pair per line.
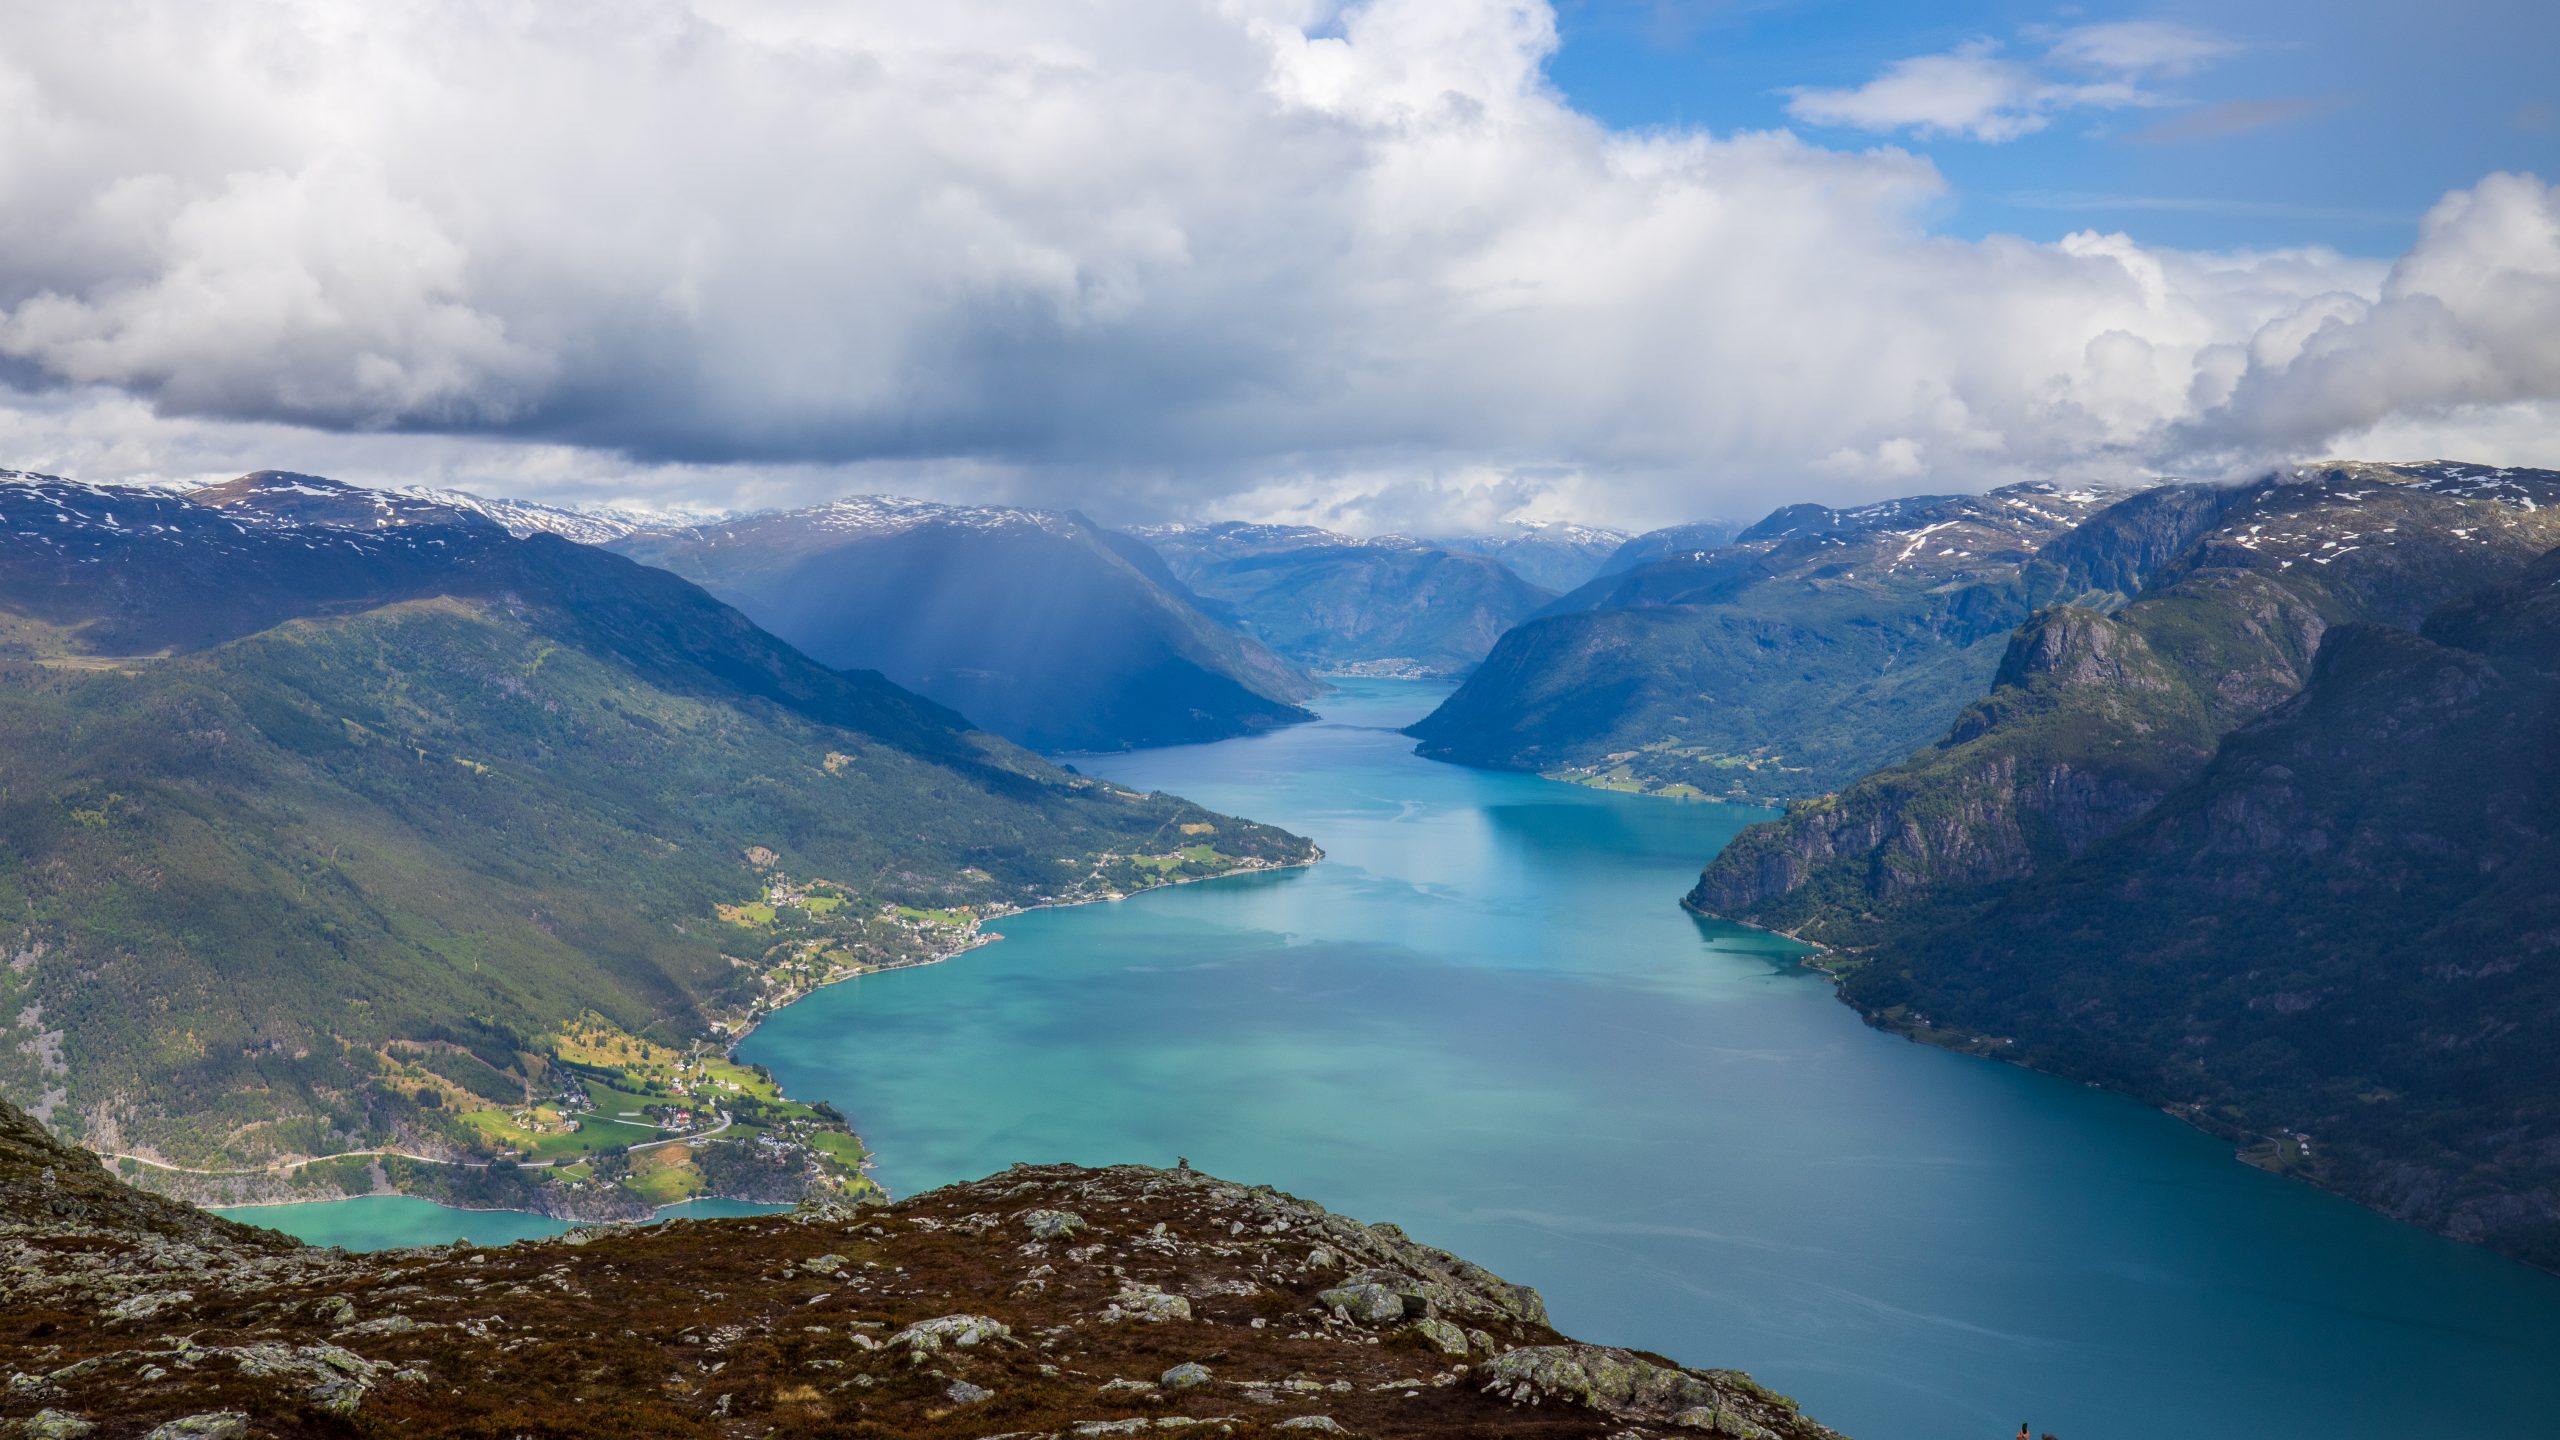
(2285,821)
(1046,1300)
(1815,646)
(586,524)
(2095,713)
(1669,543)
(338,825)
(1037,625)
(284,495)
(1388,605)
(1550,554)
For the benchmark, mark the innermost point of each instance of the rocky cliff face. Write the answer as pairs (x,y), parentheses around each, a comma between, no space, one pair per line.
(2338,941)
(1049,1301)
(2264,847)
(2094,718)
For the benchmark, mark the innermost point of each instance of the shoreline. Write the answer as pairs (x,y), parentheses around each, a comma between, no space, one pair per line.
(980,939)
(765,1008)
(2242,1140)
(479,1209)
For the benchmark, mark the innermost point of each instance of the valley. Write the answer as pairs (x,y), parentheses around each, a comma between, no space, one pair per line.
(1427,1024)
(801,721)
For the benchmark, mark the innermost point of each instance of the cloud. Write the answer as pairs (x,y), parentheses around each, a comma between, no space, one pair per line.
(1148,257)
(1969,92)
(2138,49)
(2467,323)
(1974,93)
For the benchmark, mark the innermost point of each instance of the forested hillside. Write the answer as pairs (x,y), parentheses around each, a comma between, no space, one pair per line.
(326,837)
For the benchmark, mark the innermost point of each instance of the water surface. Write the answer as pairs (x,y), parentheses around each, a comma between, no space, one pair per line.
(1485,1017)
(388,1222)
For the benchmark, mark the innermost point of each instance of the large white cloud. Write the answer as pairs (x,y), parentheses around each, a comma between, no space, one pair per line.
(1145,255)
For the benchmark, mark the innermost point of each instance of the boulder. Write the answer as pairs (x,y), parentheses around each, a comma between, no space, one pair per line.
(1367,1302)
(927,1337)
(1147,1303)
(217,1425)
(1051,1224)
(1445,1337)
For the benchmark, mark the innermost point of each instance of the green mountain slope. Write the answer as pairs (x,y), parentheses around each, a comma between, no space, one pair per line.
(1387,605)
(1816,646)
(325,839)
(2092,718)
(1038,626)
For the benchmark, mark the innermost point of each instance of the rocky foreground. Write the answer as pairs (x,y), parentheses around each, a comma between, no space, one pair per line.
(1047,1301)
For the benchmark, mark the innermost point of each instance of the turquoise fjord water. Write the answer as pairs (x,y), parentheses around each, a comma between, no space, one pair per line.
(1484,1017)
(385,1222)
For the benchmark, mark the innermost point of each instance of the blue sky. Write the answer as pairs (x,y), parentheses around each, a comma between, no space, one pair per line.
(2336,123)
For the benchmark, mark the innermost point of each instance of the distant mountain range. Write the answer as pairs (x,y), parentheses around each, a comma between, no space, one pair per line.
(1388,605)
(1811,648)
(1553,555)
(1672,542)
(586,524)
(344,821)
(2268,841)
(1038,625)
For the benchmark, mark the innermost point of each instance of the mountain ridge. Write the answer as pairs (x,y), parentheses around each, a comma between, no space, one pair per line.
(1036,624)
(1811,648)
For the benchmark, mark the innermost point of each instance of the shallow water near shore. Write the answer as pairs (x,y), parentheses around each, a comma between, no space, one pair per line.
(388,1222)
(1485,1017)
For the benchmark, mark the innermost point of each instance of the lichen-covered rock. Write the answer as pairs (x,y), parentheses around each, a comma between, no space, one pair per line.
(1149,1304)
(929,1336)
(1051,1224)
(329,1376)
(1448,1339)
(1716,1420)
(216,1425)
(54,1425)
(1367,1302)
(961,1392)
(1186,1375)
(1628,1386)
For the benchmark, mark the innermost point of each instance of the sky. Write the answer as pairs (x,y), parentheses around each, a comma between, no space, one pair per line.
(1424,265)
